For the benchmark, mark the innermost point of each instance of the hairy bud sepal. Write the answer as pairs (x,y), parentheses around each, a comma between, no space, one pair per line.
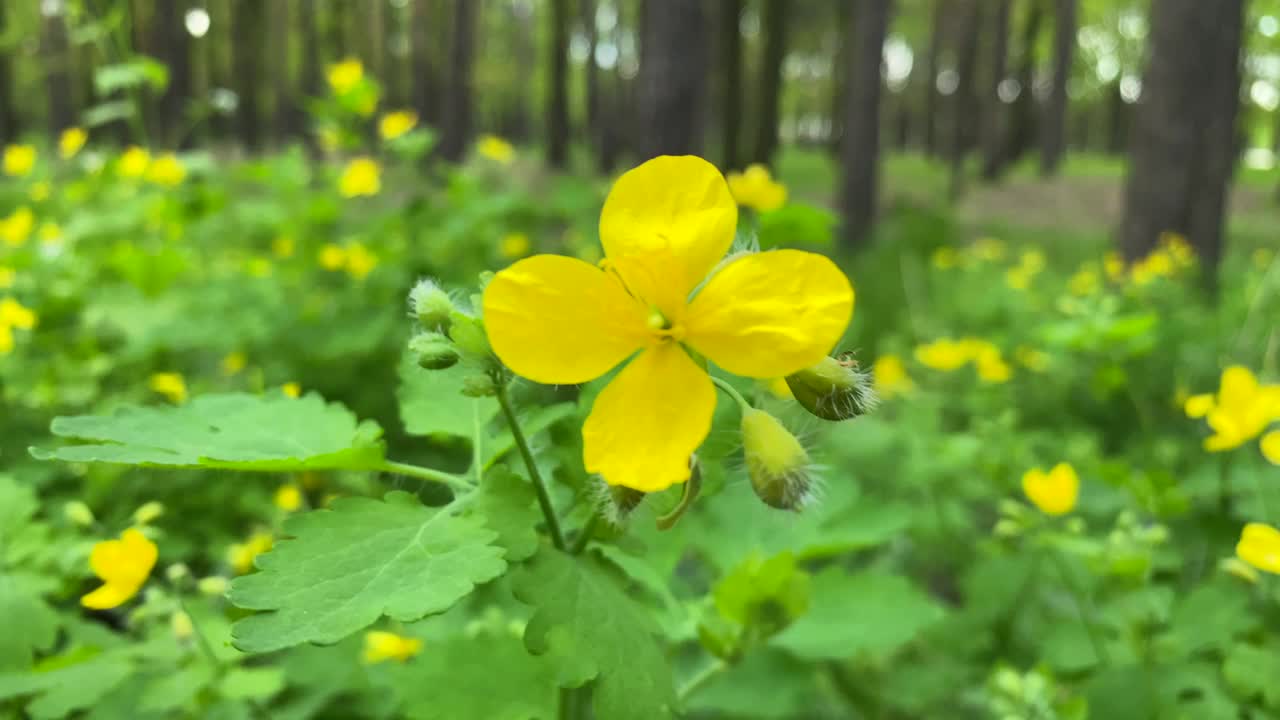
(777,463)
(834,389)
(468,333)
(433,351)
(431,305)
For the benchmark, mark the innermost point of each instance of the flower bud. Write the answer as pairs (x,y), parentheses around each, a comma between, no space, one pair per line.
(213,585)
(78,513)
(433,351)
(180,623)
(776,461)
(834,389)
(177,572)
(148,512)
(616,502)
(478,386)
(431,305)
(469,335)
(1007,528)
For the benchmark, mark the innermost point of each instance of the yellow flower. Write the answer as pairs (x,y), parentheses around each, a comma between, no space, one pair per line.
(288,498)
(181,625)
(234,363)
(943,354)
(1271,447)
(7,275)
(1083,282)
(1175,245)
(988,249)
(991,366)
(1029,265)
(123,566)
(360,262)
(167,170)
(495,149)
(282,247)
(665,226)
(242,555)
(514,245)
(394,124)
(170,385)
(1260,547)
(945,258)
(1054,492)
(362,176)
(134,162)
(19,160)
(1113,265)
(6,340)
(344,76)
(381,646)
(891,376)
(333,257)
(1239,413)
(14,314)
(755,188)
(291,389)
(71,141)
(16,228)
(1158,264)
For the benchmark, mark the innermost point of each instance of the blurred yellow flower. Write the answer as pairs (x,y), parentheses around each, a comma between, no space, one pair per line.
(1239,568)
(344,76)
(1260,547)
(181,626)
(17,227)
(1054,492)
(991,367)
(71,141)
(234,363)
(167,170)
(171,385)
(123,565)
(6,340)
(394,124)
(360,262)
(283,246)
(514,245)
(7,274)
(1271,447)
(1158,264)
(496,149)
(381,646)
(943,354)
(134,162)
(288,498)
(1113,265)
(1084,282)
(755,188)
(362,176)
(291,389)
(14,314)
(1029,265)
(1239,412)
(891,378)
(945,258)
(988,249)
(333,257)
(329,138)
(242,555)
(19,160)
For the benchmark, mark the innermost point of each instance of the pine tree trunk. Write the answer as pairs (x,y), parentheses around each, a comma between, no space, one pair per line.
(731,89)
(558,88)
(173,47)
(426,83)
(1117,120)
(839,77)
(248,31)
(774,23)
(456,131)
(932,66)
(9,128)
(591,122)
(56,57)
(963,117)
(673,78)
(284,101)
(860,148)
(1184,139)
(1053,138)
(1023,116)
(996,118)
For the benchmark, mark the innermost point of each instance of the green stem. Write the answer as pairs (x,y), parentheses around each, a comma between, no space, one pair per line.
(540,486)
(1224,482)
(201,640)
(1084,606)
(704,676)
(453,481)
(731,392)
(584,536)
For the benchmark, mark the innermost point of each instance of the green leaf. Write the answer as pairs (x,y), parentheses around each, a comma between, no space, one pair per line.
(137,71)
(766,684)
(1252,671)
(18,504)
(341,569)
(867,613)
(532,422)
(489,676)
(506,505)
(796,225)
(252,683)
(1211,617)
(173,691)
(61,691)
(591,629)
(766,594)
(267,433)
(30,624)
(431,404)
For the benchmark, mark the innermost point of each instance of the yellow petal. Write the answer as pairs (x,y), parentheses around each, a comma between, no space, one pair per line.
(1197,406)
(681,204)
(109,596)
(559,320)
(1260,547)
(127,561)
(1054,492)
(1239,385)
(649,420)
(1271,447)
(771,314)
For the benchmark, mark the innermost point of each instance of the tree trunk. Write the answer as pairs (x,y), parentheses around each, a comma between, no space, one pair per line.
(1184,136)
(558,88)
(932,66)
(731,89)
(426,85)
(1117,120)
(172,45)
(860,148)
(56,57)
(963,117)
(673,78)
(839,77)
(996,118)
(283,102)
(456,133)
(312,85)
(1053,138)
(9,128)
(591,123)
(1023,116)
(774,22)
(248,30)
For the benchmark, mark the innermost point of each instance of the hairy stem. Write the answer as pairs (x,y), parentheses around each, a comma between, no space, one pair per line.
(535,476)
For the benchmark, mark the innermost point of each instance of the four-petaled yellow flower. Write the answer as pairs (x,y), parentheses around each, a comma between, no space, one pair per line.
(134,162)
(167,170)
(17,227)
(14,315)
(394,124)
(344,76)
(943,354)
(755,188)
(1054,492)
(381,646)
(665,228)
(495,149)
(360,261)
(891,378)
(514,245)
(123,566)
(362,176)
(1240,411)
(1084,282)
(1260,547)
(171,385)
(71,141)
(19,160)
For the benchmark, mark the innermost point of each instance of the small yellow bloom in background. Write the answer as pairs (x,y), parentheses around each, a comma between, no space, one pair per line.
(1175,245)
(1197,406)
(394,124)
(134,162)
(1113,265)
(1240,412)
(242,555)
(496,149)
(7,275)
(333,257)
(891,378)
(1084,282)
(987,249)
(514,245)
(361,177)
(123,566)
(945,258)
(291,389)
(6,340)
(234,363)
(665,226)
(78,513)
(943,354)
(71,141)
(755,188)
(170,385)
(148,512)
(288,498)
(1260,547)
(167,170)
(14,314)
(1031,358)
(991,366)
(1271,447)
(17,227)
(381,646)
(1029,265)
(213,585)
(19,160)
(329,138)
(344,76)
(283,247)
(1158,264)
(360,261)
(181,625)
(1054,492)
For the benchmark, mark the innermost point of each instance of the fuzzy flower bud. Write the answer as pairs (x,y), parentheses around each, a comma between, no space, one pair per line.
(478,386)
(181,624)
(616,502)
(431,305)
(148,513)
(78,513)
(433,351)
(213,585)
(469,335)
(776,461)
(834,389)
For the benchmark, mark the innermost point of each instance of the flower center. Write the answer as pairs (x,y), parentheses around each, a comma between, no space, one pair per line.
(663,330)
